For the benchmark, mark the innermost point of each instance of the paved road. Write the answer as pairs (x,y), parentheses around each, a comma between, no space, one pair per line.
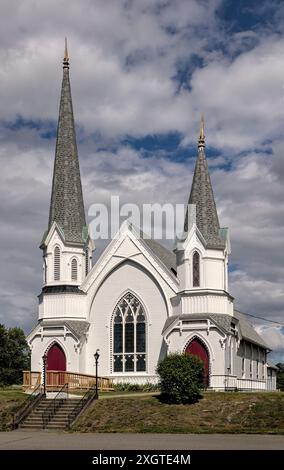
(97,441)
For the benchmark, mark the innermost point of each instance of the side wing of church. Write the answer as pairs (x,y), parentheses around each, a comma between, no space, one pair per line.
(140,301)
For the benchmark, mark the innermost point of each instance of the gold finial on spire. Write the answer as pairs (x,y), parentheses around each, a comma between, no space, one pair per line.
(201,142)
(66,57)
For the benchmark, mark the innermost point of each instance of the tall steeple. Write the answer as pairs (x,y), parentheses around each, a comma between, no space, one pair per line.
(202,196)
(67,206)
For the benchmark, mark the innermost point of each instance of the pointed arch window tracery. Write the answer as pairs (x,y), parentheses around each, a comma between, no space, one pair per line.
(129,335)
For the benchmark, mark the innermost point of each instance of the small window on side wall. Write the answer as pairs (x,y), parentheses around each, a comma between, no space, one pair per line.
(74,270)
(57,263)
(196,269)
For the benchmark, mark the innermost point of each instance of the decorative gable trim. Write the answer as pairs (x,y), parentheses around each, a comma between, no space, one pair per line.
(110,252)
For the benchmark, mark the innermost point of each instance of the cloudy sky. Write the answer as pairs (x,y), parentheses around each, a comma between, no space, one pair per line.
(142,72)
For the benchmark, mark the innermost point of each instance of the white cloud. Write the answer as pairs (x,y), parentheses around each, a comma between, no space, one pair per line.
(242,99)
(273,336)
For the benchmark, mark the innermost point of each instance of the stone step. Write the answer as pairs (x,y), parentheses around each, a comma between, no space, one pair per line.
(63,407)
(67,405)
(58,421)
(30,426)
(39,425)
(58,412)
(55,427)
(68,400)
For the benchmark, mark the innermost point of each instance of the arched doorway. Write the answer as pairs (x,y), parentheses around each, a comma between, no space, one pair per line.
(56,365)
(197,348)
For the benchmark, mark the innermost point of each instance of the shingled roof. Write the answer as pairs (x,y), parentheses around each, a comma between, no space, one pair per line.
(67,206)
(167,257)
(248,332)
(79,328)
(224,321)
(202,196)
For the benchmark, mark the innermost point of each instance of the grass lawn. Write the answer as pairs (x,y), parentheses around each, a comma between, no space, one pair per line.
(215,413)
(10,402)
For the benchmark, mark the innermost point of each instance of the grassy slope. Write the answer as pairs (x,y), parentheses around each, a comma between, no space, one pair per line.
(215,412)
(10,401)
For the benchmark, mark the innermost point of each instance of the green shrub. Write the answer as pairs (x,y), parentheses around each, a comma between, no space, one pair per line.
(129,387)
(181,378)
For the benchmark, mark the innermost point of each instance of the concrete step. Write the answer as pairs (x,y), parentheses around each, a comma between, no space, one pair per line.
(56,426)
(58,421)
(30,426)
(33,420)
(60,412)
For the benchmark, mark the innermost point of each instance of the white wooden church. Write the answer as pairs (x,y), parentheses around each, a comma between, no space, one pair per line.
(139,301)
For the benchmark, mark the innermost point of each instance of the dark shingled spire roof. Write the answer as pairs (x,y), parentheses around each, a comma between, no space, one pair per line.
(202,196)
(67,205)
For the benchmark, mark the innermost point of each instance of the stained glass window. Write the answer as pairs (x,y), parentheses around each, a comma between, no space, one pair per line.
(129,335)
(196,269)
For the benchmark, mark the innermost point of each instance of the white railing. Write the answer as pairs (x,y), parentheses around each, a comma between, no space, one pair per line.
(231,382)
(251,385)
(223,382)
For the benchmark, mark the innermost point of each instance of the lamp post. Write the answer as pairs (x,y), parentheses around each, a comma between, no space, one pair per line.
(96,356)
(44,361)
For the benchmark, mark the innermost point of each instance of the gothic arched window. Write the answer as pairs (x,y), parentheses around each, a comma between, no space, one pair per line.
(74,269)
(56,263)
(196,269)
(129,336)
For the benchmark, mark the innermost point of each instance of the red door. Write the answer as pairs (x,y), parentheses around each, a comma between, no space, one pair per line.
(56,361)
(196,348)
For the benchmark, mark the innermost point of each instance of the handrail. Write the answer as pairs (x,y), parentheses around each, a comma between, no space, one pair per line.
(29,404)
(76,380)
(87,398)
(56,402)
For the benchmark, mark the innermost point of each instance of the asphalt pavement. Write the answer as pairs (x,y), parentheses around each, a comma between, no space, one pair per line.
(47,440)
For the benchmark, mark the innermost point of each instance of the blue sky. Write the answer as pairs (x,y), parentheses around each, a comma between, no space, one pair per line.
(142,73)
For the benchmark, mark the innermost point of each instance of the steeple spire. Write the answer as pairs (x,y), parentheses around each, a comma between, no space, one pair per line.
(201,142)
(202,196)
(66,57)
(67,206)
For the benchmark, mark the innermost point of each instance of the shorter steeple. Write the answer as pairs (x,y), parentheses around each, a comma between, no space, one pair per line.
(202,196)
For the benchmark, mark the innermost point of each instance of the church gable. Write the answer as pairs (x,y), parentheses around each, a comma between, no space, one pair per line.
(54,235)
(128,246)
(127,249)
